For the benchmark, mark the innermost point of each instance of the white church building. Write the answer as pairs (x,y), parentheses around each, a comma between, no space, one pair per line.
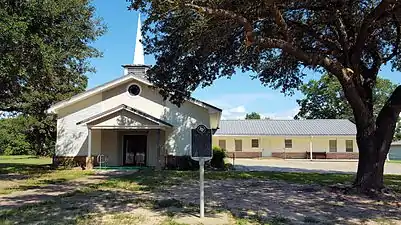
(127,121)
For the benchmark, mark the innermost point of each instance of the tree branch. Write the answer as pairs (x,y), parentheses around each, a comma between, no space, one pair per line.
(343,36)
(397,41)
(280,21)
(387,119)
(229,14)
(334,44)
(366,24)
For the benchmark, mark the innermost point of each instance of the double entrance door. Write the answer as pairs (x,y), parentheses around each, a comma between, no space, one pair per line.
(134,150)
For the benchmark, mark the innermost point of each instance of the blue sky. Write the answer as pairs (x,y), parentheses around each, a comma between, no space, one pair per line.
(236,96)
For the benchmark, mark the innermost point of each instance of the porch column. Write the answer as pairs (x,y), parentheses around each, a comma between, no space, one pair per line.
(310,147)
(89,159)
(158,163)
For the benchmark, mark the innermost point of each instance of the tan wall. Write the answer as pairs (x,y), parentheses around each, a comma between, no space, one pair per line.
(110,143)
(96,142)
(276,144)
(72,139)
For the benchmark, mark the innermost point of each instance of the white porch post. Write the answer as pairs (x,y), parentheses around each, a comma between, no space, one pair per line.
(310,147)
(89,160)
(158,166)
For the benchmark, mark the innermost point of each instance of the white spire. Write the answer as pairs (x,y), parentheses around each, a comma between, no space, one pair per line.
(139,58)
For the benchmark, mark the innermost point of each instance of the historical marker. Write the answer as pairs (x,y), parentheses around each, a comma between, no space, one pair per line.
(201,150)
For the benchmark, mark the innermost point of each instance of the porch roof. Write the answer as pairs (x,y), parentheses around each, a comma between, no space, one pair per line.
(128,109)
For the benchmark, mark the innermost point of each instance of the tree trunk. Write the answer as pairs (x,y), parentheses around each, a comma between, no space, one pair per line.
(370,165)
(374,139)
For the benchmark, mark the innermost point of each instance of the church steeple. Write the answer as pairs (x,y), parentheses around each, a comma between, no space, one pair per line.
(139,58)
(138,67)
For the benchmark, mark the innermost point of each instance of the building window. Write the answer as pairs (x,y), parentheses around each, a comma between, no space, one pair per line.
(238,145)
(332,145)
(134,89)
(222,144)
(349,145)
(288,143)
(255,143)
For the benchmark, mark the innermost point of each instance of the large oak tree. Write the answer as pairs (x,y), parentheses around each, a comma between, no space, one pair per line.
(45,47)
(197,41)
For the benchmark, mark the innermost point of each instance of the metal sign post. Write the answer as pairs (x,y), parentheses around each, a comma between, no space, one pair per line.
(202,188)
(201,150)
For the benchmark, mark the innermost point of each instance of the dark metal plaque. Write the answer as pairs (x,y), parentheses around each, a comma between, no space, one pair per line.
(201,142)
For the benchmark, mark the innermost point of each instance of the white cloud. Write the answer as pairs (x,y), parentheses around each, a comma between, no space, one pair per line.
(235,106)
(284,115)
(225,101)
(239,112)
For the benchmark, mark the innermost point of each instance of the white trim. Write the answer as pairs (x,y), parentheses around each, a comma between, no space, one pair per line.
(119,109)
(128,127)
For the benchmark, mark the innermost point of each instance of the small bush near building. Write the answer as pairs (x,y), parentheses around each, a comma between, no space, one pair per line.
(218,158)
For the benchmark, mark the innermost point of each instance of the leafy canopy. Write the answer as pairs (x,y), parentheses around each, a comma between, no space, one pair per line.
(324,99)
(44,53)
(196,42)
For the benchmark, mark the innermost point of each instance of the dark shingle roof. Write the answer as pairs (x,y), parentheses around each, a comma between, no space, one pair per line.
(318,127)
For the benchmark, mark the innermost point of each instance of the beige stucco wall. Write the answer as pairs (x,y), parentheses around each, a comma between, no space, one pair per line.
(72,139)
(110,147)
(276,143)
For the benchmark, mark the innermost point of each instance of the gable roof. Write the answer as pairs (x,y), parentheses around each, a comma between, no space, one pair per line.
(124,107)
(317,127)
(112,84)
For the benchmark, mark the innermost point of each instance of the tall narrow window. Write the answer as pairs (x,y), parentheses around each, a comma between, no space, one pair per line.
(349,145)
(255,143)
(288,143)
(222,144)
(238,145)
(332,145)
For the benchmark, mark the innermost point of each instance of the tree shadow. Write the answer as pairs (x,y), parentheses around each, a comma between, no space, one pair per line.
(176,193)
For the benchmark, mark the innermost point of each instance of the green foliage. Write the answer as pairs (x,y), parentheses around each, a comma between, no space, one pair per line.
(252,116)
(13,136)
(219,155)
(324,99)
(196,42)
(45,51)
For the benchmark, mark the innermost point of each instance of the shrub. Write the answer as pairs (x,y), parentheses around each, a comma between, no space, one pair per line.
(218,157)
(182,163)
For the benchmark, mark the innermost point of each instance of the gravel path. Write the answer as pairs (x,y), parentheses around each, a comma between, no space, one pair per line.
(298,203)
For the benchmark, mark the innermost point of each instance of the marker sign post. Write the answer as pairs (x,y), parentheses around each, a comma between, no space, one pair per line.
(201,150)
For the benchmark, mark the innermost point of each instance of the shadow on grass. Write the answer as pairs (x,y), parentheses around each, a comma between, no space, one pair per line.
(20,171)
(257,196)
(90,204)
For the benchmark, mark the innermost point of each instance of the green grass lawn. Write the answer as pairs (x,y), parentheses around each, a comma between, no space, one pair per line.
(394,161)
(19,173)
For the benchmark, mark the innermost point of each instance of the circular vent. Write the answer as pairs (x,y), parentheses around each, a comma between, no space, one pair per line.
(134,89)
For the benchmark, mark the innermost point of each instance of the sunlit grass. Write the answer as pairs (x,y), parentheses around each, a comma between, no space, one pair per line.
(28,172)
